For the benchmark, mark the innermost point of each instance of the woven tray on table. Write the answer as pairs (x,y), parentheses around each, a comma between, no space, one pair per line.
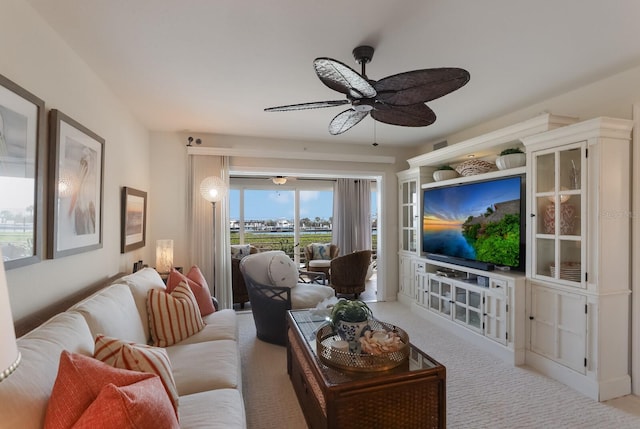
(362,362)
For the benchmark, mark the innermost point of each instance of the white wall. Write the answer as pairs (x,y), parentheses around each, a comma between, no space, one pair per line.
(611,96)
(34,57)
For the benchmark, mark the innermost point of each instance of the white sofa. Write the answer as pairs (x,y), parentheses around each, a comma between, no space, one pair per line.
(206,366)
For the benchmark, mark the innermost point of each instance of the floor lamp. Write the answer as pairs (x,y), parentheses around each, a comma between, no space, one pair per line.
(213,189)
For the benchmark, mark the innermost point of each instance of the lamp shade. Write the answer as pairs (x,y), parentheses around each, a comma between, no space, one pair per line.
(9,354)
(213,189)
(164,255)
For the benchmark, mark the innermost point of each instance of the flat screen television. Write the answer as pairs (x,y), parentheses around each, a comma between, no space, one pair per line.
(476,224)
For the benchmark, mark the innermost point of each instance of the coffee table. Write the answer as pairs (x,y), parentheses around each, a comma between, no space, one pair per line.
(411,395)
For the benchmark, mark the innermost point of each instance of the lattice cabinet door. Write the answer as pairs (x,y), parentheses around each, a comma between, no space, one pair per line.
(440,295)
(496,317)
(467,307)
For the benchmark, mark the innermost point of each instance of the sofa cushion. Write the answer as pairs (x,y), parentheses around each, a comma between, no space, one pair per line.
(140,282)
(197,411)
(308,295)
(113,312)
(138,357)
(198,286)
(80,381)
(282,271)
(173,316)
(205,366)
(221,325)
(24,395)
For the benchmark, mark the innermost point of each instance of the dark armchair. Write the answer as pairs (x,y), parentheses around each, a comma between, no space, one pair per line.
(270,302)
(349,272)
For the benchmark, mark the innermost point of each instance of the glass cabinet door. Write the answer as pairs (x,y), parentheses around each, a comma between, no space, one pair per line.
(409,216)
(558,221)
(468,307)
(439,295)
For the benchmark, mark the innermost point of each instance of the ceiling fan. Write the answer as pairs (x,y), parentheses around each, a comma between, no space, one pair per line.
(397,100)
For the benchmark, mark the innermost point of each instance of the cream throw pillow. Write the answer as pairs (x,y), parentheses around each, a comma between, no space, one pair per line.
(173,316)
(282,271)
(138,357)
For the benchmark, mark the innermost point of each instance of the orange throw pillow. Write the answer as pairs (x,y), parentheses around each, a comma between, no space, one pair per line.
(138,357)
(82,379)
(136,406)
(173,316)
(198,286)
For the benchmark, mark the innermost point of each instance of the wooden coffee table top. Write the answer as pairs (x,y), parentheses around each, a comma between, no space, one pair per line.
(307,323)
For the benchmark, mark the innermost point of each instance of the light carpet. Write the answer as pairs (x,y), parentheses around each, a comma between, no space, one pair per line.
(482,390)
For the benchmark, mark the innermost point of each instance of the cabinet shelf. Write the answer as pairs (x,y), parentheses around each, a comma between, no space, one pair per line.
(476,178)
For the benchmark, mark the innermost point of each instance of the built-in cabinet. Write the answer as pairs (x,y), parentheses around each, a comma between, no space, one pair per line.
(409,182)
(568,315)
(485,307)
(578,187)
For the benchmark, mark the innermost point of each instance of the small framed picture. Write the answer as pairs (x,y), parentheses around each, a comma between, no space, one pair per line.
(133,219)
(76,165)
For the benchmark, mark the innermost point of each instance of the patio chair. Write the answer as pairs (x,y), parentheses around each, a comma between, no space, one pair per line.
(318,257)
(349,272)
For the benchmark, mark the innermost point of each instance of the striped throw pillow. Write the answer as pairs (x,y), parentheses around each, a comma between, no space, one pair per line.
(138,357)
(173,316)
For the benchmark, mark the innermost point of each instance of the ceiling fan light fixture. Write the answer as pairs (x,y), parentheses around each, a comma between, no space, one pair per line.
(279,180)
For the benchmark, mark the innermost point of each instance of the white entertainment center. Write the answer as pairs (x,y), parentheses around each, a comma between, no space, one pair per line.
(567,315)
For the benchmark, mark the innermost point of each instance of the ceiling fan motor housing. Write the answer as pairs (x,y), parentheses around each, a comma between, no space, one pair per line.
(363,54)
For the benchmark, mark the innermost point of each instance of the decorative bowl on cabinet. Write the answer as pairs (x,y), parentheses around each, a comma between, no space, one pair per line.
(439,175)
(472,167)
(512,160)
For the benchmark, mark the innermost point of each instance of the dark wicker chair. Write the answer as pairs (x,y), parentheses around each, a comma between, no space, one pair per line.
(269,305)
(349,272)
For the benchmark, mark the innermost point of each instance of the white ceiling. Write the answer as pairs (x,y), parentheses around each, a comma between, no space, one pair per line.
(214,65)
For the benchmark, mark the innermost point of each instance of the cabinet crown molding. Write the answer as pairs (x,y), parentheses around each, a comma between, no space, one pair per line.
(492,143)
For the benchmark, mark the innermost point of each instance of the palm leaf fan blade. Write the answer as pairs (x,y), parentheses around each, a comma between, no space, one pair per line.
(420,86)
(343,78)
(417,115)
(305,106)
(345,120)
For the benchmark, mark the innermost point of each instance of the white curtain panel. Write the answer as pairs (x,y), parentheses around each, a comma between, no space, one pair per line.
(352,215)
(206,245)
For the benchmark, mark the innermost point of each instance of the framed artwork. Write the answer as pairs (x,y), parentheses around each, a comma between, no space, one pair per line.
(133,219)
(22,158)
(76,165)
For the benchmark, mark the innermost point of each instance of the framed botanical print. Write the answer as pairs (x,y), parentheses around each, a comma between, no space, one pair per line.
(22,149)
(133,219)
(76,164)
